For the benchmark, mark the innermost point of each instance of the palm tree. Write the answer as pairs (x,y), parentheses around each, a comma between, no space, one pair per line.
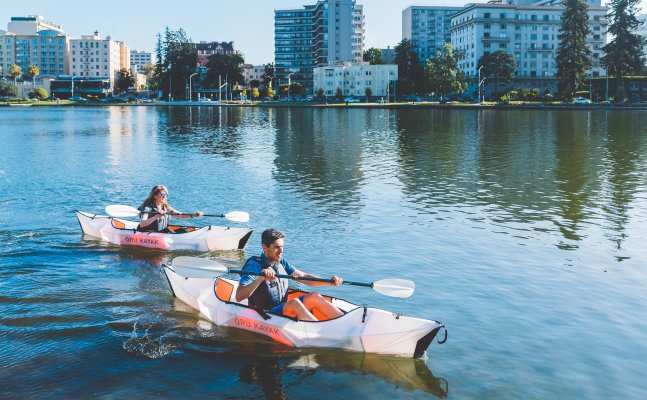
(32,72)
(15,72)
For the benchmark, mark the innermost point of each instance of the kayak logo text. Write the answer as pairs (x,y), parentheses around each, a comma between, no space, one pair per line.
(141,241)
(256,325)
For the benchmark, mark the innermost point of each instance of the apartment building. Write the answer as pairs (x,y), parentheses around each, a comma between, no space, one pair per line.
(329,31)
(253,72)
(207,49)
(527,31)
(94,57)
(32,40)
(354,78)
(427,27)
(139,59)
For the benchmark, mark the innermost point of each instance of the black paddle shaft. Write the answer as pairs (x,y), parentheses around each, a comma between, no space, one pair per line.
(300,278)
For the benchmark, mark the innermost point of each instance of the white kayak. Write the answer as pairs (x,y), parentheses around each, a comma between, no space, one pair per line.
(124,232)
(361,328)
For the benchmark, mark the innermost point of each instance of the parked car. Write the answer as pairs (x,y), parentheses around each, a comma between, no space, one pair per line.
(204,99)
(111,100)
(351,100)
(581,100)
(382,101)
(78,98)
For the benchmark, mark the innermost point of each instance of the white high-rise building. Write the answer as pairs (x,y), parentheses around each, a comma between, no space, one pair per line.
(327,32)
(528,32)
(94,58)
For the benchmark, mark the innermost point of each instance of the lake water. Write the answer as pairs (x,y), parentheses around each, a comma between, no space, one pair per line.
(525,232)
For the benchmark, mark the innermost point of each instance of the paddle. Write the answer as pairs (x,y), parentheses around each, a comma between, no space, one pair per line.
(193,267)
(124,211)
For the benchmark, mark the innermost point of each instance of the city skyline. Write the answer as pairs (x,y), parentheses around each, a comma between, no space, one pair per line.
(252,34)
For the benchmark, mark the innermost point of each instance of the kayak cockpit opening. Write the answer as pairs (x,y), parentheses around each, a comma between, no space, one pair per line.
(225,290)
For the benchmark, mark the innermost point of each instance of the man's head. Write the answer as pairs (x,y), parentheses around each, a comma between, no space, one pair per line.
(272,242)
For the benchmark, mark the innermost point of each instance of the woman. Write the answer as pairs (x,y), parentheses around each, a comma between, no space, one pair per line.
(156,212)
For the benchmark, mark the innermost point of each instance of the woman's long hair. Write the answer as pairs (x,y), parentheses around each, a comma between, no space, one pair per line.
(150,200)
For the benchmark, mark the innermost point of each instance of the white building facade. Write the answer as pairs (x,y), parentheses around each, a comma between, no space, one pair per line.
(93,57)
(354,78)
(528,32)
(427,27)
(253,72)
(139,59)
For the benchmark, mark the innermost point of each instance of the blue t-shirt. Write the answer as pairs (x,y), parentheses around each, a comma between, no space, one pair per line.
(277,288)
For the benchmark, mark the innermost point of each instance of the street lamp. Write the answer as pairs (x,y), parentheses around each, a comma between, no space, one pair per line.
(289,82)
(72,87)
(190,78)
(607,89)
(479,85)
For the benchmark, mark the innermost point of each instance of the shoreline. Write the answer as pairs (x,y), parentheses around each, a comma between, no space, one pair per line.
(407,105)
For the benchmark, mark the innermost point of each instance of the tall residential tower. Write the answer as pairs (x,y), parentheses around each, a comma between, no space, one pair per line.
(331,31)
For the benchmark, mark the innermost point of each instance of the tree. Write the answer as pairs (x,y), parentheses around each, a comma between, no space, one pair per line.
(320,94)
(8,90)
(498,67)
(255,93)
(255,83)
(268,75)
(443,73)
(15,72)
(339,94)
(295,88)
(125,80)
(572,57)
(373,56)
(225,67)
(624,53)
(33,71)
(368,92)
(38,93)
(410,71)
(176,60)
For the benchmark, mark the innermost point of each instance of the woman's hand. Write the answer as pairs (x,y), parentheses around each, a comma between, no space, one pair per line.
(198,214)
(336,281)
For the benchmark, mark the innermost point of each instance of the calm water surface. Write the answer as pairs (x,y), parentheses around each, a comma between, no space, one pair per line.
(525,232)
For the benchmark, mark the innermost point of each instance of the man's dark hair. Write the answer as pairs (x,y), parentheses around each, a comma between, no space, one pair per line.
(270,236)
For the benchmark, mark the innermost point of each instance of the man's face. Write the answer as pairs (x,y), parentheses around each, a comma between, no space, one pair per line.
(274,251)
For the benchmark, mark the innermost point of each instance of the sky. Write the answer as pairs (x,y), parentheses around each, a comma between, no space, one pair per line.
(248,23)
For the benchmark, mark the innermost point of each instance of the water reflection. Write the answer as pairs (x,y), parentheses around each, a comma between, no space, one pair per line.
(533,166)
(275,374)
(319,154)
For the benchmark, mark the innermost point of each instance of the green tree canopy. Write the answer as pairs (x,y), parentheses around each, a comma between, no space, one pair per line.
(38,93)
(624,53)
(498,67)
(8,90)
(125,80)
(15,72)
(227,67)
(176,60)
(32,72)
(268,75)
(411,74)
(373,56)
(444,74)
(573,56)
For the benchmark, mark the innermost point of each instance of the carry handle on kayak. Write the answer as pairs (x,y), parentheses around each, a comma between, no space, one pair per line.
(194,267)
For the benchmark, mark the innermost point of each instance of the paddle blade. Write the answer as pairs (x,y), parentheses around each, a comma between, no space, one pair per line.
(194,267)
(122,211)
(237,216)
(395,287)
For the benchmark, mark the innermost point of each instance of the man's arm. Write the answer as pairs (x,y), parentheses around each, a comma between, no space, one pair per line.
(336,281)
(244,291)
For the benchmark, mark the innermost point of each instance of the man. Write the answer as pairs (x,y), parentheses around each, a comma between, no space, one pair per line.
(270,293)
